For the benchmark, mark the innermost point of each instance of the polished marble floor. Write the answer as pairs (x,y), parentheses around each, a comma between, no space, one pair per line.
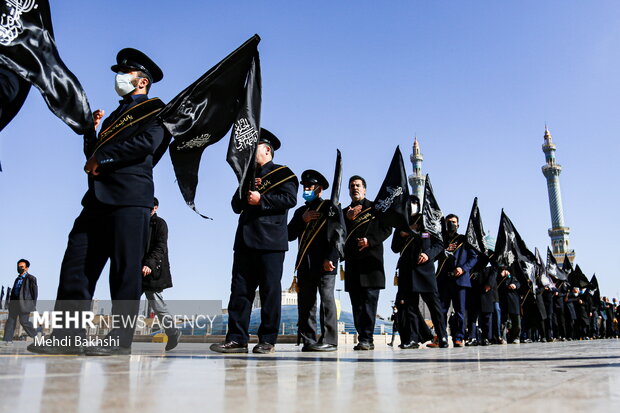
(566,377)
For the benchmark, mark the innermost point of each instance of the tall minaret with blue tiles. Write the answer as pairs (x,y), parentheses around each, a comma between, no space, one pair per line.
(558,231)
(417,179)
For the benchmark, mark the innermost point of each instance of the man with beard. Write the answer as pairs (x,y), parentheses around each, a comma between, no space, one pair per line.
(260,243)
(316,264)
(416,276)
(364,275)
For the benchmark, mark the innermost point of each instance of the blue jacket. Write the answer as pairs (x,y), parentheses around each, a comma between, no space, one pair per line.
(464,257)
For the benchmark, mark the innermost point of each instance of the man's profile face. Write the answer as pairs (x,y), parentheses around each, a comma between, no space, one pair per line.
(357,190)
(21,267)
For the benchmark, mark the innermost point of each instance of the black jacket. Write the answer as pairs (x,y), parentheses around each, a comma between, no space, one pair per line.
(365,268)
(414,277)
(26,302)
(126,162)
(488,277)
(264,226)
(320,249)
(156,257)
(509,300)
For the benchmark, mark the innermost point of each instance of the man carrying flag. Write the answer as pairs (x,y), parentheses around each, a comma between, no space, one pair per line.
(260,243)
(363,251)
(316,264)
(114,221)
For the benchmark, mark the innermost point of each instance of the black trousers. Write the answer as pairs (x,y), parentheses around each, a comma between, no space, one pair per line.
(548,300)
(434,306)
(559,324)
(252,269)
(99,234)
(515,325)
(364,303)
(412,326)
(309,285)
(11,322)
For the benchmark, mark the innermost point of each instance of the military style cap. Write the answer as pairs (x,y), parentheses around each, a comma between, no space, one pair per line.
(134,59)
(312,177)
(269,138)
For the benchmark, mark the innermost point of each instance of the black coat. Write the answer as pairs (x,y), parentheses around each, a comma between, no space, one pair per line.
(26,302)
(264,226)
(488,276)
(412,276)
(509,300)
(364,269)
(320,249)
(570,304)
(126,162)
(156,257)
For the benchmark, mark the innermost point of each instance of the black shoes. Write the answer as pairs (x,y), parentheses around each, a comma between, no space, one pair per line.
(173,340)
(55,350)
(485,342)
(321,347)
(107,351)
(409,345)
(471,343)
(229,347)
(364,346)
(264,348)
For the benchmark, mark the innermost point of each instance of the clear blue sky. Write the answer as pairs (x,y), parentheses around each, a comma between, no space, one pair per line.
(476,81)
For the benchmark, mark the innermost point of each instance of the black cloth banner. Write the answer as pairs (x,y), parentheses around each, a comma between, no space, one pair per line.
(595,290)
(475,230)
(511,251)
(336,229)
(432,217)
(553,269)
(567,267)
(204,112)
(578,279)
(541,270)
(1,297)
(28,48)
(392,205)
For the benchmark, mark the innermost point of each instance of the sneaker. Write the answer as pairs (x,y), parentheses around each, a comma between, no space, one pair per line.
(229,347)
(264,348)
(458,343)
(173,340)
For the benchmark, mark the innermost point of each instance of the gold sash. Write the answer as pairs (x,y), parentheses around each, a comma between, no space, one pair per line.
(310,232)
(362,218)
(274,178)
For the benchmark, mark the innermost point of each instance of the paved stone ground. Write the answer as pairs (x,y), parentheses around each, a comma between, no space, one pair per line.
(567,377)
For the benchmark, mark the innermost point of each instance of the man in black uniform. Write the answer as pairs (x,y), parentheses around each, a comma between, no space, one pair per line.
(114,221)
(316,266)
(416,276)
(23,301)
(260,243)
(363,253)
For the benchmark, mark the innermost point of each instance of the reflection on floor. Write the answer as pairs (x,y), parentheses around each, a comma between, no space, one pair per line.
(573,376)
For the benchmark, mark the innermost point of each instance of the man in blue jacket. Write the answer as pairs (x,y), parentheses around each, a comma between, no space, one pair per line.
(453,276)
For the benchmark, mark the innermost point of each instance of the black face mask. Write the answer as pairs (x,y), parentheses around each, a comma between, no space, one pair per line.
(452,227)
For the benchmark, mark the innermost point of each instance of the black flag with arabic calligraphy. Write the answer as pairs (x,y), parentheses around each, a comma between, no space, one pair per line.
(432,217)
(28,49)
(511,251)
(392,205)
(336,229)
(553,269)
(475,230)
(205,111)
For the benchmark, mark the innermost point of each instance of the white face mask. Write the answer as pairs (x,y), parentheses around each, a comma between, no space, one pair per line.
(415,208)
(123,85)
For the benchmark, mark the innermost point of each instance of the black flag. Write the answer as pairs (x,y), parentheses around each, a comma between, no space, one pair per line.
(246,129)
(567,267)
(336,229)
(511,251)
(541,270)
(13,92)
(578,279)
(204,112)
(553,269)
(28,48)
(1,297)
(596,293)
(392,204)
(8,298)
(475,231)
(432,216)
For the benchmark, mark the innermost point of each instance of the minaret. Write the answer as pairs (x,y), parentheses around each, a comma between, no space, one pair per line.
(417,180)
(558,231)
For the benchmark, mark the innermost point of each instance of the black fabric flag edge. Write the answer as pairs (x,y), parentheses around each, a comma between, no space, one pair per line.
(336,228)
(392,204)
